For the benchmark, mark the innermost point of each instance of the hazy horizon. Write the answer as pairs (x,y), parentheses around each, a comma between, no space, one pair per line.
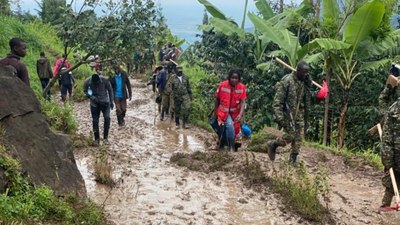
(183,16)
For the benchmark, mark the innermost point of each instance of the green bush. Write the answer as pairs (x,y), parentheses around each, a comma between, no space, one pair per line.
(60,117)
(203,87)
(301,192)
(25,204)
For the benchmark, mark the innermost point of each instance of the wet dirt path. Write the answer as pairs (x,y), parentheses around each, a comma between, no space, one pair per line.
(150,190)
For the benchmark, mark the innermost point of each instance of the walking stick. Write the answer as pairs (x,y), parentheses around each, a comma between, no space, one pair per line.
(396,191)
(276,59)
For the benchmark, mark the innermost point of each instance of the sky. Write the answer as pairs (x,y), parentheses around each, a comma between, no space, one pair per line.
(183,16)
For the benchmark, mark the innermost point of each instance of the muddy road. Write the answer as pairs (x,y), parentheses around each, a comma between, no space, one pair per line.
(151,190)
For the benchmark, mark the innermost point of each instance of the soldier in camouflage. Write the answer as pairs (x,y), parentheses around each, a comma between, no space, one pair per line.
(389,94)
(390,151)
(182,96)
(169,91)
(289,105)
(166,94)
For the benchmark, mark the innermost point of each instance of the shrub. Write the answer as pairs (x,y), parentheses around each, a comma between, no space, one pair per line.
(23,203)
(60,117)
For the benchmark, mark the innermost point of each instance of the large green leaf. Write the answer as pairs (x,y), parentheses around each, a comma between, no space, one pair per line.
(282,37)
(374,66)
(304,8)
(330,9)
(388,47)
(264,8)
(226,27)
(323,44)
(205,27)
(315,58)
(366,19)
(214,11)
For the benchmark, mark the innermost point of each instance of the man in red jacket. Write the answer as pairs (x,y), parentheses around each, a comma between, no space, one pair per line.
(229,108)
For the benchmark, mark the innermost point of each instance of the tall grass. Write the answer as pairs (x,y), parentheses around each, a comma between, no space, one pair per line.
(43,37)
(203,87)
(368,156)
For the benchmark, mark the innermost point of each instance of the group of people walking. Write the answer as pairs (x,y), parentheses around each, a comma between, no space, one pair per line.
(175,95)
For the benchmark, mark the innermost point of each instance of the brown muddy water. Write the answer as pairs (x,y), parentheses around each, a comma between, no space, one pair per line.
(151,190)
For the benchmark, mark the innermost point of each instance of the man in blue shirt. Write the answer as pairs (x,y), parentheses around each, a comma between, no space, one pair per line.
(122,91)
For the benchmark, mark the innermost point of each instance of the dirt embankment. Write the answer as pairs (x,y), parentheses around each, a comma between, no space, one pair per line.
(212,188)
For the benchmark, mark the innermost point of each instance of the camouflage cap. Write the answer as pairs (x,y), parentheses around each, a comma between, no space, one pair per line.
(179,68)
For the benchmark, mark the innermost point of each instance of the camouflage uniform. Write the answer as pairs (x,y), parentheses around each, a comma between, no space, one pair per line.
(182,94)
(387,97)
(390,150)
(170,93)
(165,97)
(290,97)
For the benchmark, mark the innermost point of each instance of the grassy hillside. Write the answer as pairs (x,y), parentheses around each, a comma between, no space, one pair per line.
(38,36)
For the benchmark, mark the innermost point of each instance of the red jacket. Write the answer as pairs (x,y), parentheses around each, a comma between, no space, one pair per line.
(58,65)
(229,99)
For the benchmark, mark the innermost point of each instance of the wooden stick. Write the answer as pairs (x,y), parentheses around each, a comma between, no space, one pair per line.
(176,64)
(379,130)
(396,191)
(291,68)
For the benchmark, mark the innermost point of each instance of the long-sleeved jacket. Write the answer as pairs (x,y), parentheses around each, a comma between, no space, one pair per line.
(390,150)
(126,84)
(14,61)
(102,90)
(289,97)
(61,62)
(43,68)
(387,97)
(162,80)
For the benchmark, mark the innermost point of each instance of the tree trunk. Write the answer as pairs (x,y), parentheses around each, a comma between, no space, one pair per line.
(326,110)
(342,119)
(317,7)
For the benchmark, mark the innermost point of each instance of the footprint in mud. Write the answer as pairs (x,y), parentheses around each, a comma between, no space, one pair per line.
(138,102)
(178,207)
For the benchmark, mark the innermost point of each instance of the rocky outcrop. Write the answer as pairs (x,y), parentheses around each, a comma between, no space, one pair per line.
(46,157)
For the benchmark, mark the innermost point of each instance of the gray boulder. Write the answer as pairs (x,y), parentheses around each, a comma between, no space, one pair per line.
(46,157)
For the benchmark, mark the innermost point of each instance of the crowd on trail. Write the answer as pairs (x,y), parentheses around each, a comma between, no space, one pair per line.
(293,96)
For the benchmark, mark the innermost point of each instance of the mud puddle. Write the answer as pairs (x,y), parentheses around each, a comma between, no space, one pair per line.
(149,189)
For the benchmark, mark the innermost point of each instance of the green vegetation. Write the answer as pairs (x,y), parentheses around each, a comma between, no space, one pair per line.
(102,168)
(352,156)
(60,117)
(26,204)
(43,37)
(301,192)
(307,32)
(202,84)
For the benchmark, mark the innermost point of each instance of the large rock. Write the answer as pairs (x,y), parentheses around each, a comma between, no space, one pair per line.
(45,156)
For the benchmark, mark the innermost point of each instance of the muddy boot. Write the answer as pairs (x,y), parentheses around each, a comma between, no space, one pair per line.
(177,122)
(162,115)
(387,198)
(119,119)
(293,158)
(272,145)
(106,142)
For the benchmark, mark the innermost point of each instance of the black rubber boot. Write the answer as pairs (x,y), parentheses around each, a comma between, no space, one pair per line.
(272,145)
(293,158)
(119,119)
(177,122)
(162,115)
